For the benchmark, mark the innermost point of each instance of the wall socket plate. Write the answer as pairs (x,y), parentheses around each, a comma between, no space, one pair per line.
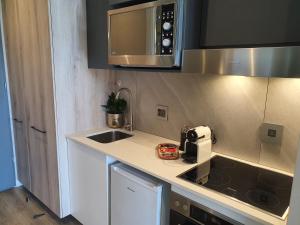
(162,112)
(271,133)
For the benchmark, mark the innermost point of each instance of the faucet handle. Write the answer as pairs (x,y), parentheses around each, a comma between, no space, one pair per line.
(128,127)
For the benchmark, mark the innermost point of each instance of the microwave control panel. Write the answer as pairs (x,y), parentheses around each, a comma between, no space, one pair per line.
(167,29)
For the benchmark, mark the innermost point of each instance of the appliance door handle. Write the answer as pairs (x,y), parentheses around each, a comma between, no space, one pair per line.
(18,121)
(38,130)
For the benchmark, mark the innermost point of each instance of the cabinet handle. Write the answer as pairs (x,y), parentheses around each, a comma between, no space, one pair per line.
(38,130)
(18,121)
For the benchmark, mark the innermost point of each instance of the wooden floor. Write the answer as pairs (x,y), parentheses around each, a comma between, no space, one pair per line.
(15,210)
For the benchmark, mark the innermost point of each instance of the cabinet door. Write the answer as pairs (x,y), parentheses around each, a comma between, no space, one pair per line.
(22,154)
(97,33)
(16,83)
(38,82)
(39,165)
(14,56)
(30,70)
(89,184)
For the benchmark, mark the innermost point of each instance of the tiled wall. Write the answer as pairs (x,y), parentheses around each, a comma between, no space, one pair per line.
(233,106)
(283,107)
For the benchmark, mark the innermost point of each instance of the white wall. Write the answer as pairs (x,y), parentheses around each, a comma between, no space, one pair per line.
(79,91)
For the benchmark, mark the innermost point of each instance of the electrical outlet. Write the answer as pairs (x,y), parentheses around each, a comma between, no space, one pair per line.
(271,133)
(162,112)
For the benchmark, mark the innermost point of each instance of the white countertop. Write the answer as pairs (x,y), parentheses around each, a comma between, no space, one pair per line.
(139,152)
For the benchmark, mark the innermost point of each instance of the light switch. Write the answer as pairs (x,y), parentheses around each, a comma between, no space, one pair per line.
(271,133)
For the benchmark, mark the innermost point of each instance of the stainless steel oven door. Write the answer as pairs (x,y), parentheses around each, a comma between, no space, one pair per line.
(135,36)
(187,212)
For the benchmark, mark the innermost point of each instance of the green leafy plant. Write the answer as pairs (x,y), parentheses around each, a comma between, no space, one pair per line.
(114,105)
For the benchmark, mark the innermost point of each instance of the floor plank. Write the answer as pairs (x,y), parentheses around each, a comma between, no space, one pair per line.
(15,210)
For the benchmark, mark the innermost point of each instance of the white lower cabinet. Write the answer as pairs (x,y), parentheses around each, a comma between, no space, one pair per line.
(89,184)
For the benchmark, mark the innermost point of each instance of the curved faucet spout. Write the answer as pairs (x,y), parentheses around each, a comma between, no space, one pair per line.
(128,126)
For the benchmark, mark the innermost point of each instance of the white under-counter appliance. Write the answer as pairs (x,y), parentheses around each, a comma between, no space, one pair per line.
(137,198)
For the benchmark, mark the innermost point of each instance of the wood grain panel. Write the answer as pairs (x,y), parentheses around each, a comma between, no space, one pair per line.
(39,100)
(22,154)
(30,52)
(16,81)
(79,91)
(39,166)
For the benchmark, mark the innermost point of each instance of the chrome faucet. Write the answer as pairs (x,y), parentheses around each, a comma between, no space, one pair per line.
(128,126)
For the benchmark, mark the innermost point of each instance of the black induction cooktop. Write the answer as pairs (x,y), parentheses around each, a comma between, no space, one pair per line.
(261,188)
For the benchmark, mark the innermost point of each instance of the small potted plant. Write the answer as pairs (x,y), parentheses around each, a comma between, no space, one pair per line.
(115,109)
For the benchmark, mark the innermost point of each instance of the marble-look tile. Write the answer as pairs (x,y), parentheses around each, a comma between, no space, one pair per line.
(283,107)
(232,106)
(235,106)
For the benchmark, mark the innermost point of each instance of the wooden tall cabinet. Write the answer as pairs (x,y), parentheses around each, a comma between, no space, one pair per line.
(14,47)
(28,46)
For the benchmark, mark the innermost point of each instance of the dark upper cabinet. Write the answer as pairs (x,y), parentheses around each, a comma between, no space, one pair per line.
(219,24)
(252,23)
(97,38)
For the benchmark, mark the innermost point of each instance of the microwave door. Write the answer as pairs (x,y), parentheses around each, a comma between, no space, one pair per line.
(133,33)
(138,36)
(151,32)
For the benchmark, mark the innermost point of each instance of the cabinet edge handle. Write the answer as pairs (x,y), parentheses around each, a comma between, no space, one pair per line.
(18,121)
(38,130)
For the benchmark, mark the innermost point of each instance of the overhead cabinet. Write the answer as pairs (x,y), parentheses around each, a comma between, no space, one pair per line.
(235,23)
(97,37)
(215,25)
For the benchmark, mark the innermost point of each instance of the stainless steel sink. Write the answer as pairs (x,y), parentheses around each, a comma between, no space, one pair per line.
(110,136)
